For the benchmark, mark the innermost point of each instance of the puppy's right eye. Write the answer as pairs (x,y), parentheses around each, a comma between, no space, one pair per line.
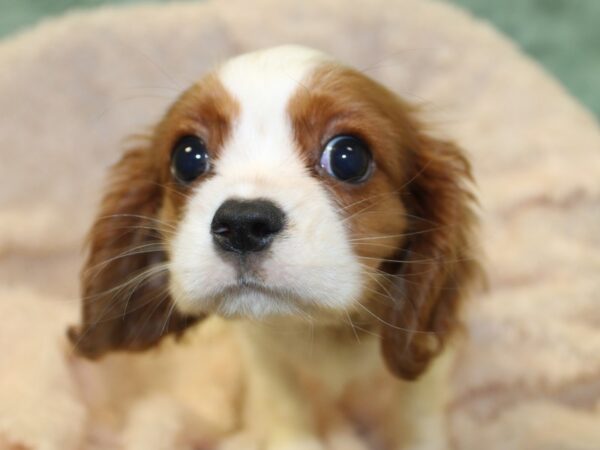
(189,159)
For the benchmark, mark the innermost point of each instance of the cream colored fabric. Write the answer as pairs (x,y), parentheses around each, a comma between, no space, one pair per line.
(72,89)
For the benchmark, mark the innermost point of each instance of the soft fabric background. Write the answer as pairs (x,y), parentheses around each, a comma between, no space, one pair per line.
(71,90)
(562,34)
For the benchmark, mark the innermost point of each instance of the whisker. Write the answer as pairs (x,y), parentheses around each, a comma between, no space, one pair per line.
(172,189)
(131,292)
(138,250)
(391,325)
(409,300)
(390,236)
(376,244)
(155,269)
(363,212)
(362,329)
(420,261)
(169,314)
(402,261)
(138,216)
(369,198)
(374,278)
(157,304)
(107,315)
(352,326)
(148,228)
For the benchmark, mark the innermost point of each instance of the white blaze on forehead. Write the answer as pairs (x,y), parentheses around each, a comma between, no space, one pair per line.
(312,264)
(263,83)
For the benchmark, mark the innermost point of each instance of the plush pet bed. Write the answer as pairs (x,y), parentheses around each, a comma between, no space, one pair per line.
(72,89)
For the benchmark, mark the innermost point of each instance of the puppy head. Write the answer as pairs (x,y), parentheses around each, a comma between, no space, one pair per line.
(283,184)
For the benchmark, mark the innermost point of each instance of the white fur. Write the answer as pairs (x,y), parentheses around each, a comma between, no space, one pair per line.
(310,266)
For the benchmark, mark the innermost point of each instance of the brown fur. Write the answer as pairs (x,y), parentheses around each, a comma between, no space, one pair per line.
(438,265)
(121,310)
(416,206)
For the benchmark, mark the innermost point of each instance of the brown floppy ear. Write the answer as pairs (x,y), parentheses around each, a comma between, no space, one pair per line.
(437,265)
(126,303)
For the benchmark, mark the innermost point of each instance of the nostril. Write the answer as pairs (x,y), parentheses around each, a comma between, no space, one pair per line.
(259,229)
(246,225)
(220,229)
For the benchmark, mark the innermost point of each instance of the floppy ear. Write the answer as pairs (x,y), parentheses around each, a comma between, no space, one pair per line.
(126,303)
(438,265)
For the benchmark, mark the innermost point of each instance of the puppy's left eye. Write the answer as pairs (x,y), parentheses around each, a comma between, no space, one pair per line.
(189,159)
(347,158)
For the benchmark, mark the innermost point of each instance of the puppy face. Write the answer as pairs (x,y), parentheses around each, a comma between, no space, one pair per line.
(283,184)
(309,266)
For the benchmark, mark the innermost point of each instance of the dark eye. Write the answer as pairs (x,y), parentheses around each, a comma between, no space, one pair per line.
(347,158)
(189,159)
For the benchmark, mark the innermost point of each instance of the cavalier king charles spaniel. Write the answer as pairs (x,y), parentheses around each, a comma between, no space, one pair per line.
(287,192)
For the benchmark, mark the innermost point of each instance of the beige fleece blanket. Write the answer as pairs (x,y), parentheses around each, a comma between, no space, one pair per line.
(73,88)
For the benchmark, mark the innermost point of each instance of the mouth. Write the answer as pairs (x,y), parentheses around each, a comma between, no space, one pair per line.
(247,283)
(248,296)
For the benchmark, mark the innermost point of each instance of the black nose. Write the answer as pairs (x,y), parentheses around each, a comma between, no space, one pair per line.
(243,226)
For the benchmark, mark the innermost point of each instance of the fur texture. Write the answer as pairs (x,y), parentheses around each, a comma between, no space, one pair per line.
(391,255)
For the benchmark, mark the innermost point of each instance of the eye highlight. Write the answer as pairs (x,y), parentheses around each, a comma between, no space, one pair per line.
(347,158)
(189,159)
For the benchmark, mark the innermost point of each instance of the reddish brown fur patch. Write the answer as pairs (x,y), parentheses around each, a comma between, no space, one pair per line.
(411,223)
(141,206)
(205,110)
(341,101)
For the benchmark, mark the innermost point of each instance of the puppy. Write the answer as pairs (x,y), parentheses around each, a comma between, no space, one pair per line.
(305,204)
